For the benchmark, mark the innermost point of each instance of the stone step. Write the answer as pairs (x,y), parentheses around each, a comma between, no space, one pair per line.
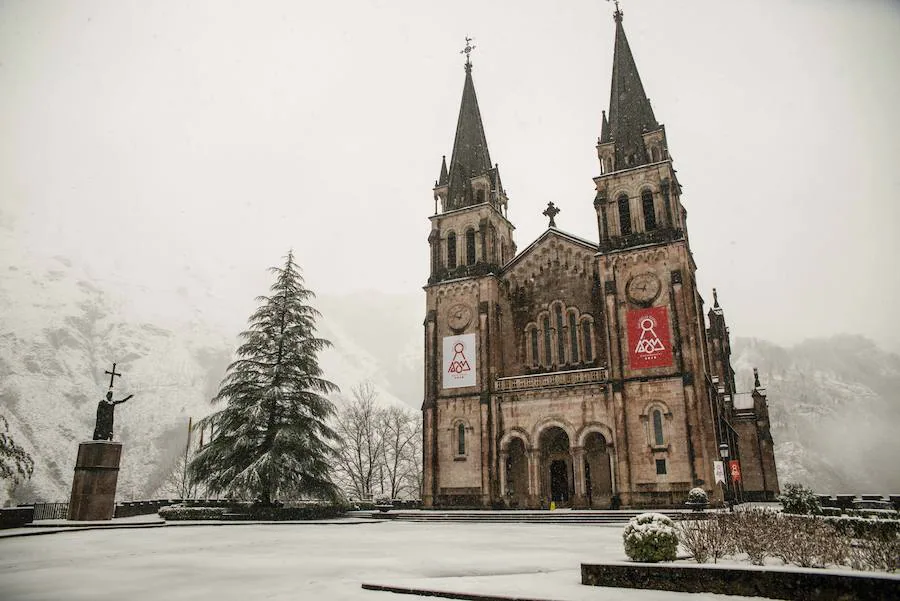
(538,517)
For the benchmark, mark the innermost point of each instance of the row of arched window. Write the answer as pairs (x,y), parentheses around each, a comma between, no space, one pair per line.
(648,212)
(496,250)
(560,336)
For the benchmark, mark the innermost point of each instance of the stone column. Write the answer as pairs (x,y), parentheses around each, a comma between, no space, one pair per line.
(577,455)
(534,478)
(94,485)
(504,457)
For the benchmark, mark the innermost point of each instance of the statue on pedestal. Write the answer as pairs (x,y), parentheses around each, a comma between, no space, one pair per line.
(103,430)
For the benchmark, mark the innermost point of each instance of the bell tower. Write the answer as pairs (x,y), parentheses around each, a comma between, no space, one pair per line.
(655,334)
(470,240)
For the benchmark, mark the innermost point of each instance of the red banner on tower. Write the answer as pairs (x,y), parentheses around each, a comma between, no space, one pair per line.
(735,466)
(649,338)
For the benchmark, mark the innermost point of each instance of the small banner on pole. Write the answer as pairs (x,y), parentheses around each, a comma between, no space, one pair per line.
(735,467)
(719,469)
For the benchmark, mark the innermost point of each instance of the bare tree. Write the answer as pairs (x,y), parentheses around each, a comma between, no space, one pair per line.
(360,453)
(402,444)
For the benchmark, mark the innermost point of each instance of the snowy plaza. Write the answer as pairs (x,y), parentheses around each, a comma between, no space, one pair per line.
(315,561)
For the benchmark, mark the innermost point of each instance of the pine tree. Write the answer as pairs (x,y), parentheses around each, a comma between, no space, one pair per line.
(272,438)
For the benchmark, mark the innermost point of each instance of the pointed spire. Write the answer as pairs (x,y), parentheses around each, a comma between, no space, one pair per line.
(470,156)
(443,179)
(756,383)
(715,299)
(630,114)
(604,130)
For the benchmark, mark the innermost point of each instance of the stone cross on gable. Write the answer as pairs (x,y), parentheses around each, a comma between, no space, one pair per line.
(112,375)
(551,211)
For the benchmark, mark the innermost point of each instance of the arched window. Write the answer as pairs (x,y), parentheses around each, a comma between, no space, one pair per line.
(658,438)
(649,210)
(535,356)
(470,247)
(461,439)
(586,336)
(573,338)
(548,359)
(624,216)
(560,337)
(502,251)
(451,250)
(654,153)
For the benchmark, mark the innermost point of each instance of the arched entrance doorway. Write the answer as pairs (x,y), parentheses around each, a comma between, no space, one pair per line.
(557,484)
(516,474)
(597,471)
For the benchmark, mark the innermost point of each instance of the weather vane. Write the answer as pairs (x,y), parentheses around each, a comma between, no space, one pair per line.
(468,50)
(618,10)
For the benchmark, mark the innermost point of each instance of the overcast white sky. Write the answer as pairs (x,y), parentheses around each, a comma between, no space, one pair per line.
(154,140)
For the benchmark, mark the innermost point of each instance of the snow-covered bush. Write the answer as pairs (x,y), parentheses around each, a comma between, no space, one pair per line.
(799,499)
(650,537)
(697,496)
(710,538)
(809,542)
(179,512)
(753,531)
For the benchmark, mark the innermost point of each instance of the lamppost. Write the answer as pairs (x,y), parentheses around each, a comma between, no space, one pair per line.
(723,452)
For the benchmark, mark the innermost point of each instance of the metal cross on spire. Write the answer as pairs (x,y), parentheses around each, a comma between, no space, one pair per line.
(551,211)
(618,13)
(468,50)
(112,375)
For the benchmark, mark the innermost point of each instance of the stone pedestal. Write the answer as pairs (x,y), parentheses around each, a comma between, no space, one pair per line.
(94,486)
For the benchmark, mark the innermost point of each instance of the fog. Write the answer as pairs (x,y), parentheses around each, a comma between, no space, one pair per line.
(179,148)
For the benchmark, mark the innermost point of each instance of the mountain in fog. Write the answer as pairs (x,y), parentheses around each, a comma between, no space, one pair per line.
(833,402)
(835,405)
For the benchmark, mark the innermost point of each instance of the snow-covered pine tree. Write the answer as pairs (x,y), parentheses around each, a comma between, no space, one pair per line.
(272,437)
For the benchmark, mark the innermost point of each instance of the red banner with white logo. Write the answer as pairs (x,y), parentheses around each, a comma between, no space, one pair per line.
(735,466)
(649,338)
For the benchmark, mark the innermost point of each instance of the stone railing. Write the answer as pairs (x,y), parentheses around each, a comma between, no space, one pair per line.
(574,377)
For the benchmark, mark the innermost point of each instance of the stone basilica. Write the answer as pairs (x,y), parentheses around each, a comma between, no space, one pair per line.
(577,372)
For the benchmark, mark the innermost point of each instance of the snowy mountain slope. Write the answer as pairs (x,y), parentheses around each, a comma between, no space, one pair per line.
(60,330)
(835,406)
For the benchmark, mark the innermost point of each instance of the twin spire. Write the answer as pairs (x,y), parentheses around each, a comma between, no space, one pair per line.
(472,179)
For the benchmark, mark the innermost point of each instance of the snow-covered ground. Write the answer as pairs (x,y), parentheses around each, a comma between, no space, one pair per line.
(315,561)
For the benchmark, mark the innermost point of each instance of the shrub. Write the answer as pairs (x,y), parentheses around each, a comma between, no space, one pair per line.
(809,542)
(650,537)
(709,538)
(877,551)
(178,512)
(863,528)
(753,532)
(799,499)
(307,512)
(697,496)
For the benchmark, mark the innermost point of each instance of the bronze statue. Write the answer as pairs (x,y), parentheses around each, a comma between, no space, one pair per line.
(103,430)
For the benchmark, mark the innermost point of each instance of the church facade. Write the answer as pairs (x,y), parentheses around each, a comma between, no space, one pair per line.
(580,372)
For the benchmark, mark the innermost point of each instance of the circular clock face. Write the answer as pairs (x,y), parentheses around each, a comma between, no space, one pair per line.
(459,317)
(644,288)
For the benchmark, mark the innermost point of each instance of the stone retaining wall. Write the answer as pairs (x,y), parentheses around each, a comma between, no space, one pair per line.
(779,583)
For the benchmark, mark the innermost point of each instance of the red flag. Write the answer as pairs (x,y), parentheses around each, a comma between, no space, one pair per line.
(735,466)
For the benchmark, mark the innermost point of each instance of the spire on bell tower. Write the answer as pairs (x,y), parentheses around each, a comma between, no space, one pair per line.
(471,179)
(630,113)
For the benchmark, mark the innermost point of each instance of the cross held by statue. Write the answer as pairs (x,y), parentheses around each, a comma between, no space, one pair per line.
(112,375)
